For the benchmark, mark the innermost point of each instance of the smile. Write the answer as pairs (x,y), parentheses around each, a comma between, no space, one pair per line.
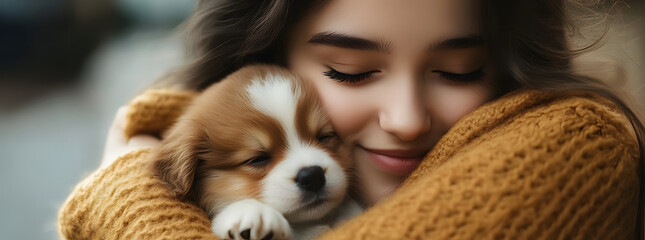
(395,162)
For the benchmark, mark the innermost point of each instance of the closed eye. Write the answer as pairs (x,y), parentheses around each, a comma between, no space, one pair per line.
(259,161)
(326,137)
(467,77)
(346,77)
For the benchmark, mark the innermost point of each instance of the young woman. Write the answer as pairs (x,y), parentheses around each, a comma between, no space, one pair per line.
(395,77)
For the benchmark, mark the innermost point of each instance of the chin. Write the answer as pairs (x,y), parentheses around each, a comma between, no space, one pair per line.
(257,152)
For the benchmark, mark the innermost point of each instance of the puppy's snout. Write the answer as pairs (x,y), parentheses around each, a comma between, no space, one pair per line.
(311,179)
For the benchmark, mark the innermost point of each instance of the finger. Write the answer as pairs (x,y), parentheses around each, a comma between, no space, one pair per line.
(119,119)
(143,141)
(115,143)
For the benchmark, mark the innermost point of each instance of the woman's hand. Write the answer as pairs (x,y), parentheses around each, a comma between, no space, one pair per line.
(117,145)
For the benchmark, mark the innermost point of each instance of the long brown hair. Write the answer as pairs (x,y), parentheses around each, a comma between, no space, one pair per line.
(527,40)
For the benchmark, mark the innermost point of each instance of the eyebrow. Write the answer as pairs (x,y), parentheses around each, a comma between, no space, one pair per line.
(458,43)
(346,41)
(351,42)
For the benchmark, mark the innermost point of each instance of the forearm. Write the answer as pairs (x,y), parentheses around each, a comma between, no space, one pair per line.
(571,174)
(123,201)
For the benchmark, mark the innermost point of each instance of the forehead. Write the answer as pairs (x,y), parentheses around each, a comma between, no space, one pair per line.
(404,23)
(246,113)
(255,104)
(274,96)
(287,102)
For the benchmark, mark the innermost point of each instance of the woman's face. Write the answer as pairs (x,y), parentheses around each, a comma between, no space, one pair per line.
(394,76)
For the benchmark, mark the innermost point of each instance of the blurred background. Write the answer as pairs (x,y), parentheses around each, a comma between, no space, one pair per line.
(65,68)
(67,65)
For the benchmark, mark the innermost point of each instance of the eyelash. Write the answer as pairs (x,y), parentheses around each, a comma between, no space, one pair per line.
(355,78)
(467,77)
(348,78)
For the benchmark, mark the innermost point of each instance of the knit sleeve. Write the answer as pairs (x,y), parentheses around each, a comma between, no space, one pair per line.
(534,168)
(155,110)
(123,200)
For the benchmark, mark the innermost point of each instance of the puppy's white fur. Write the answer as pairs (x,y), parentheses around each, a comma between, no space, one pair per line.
(254,215)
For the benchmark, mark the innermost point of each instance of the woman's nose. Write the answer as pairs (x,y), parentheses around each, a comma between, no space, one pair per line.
(405,113)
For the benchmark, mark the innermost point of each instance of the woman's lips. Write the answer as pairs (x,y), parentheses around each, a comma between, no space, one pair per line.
(396,162)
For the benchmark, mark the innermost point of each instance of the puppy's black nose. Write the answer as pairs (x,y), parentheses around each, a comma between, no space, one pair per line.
(311,179)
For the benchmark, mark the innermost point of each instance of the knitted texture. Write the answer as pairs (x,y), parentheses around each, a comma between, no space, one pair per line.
(124,201)
(530,165)
(155,110)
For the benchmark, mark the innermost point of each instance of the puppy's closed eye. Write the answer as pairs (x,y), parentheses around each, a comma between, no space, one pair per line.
(259,161)
(326,137)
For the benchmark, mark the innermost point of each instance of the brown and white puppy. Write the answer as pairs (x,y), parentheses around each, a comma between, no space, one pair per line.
(258,153)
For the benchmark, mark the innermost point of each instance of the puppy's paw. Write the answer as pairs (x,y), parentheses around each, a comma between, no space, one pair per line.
(250,219)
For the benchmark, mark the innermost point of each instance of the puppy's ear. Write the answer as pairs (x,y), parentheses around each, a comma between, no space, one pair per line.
(175,161)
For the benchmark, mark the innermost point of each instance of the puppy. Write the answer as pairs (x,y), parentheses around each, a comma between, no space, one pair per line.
(258,153)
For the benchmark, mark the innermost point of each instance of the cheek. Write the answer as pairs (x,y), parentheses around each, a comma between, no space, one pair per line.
(228,186)
(349,109)
(346,113)
(451,103)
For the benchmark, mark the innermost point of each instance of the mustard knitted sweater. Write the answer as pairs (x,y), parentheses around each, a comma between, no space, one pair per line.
(530,165)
